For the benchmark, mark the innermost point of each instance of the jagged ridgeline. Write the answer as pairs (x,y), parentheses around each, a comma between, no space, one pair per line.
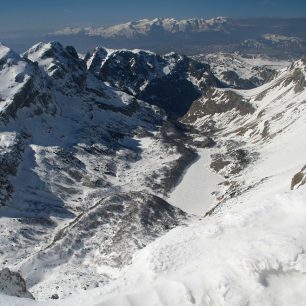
(171,82)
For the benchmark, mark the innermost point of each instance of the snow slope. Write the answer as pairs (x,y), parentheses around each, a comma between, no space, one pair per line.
(253,253)
(244,256)
(259,133)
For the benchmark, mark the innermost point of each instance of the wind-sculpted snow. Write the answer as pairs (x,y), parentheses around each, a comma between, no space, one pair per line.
(253,253)
(242,256)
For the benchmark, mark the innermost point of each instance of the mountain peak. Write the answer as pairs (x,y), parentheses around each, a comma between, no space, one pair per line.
(62,64)
(45,53)
(3,50)
(6,53)
(45,50)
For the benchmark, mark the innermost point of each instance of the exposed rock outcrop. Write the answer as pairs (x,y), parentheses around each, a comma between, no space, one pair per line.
(299,179)
(171,82)
(12,283)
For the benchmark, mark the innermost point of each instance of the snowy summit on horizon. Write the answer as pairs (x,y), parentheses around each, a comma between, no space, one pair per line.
(276,37)
(146,26)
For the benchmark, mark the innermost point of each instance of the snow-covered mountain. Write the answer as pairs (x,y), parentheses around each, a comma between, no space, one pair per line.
(81,171)
(283,38)
(249,249)
(277,37)
(274,38)
(268,42)
(171,82)
(242,71)
(147,27)
(249,123)
(89,166)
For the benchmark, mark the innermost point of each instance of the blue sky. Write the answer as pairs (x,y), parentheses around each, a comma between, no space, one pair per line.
(41,15)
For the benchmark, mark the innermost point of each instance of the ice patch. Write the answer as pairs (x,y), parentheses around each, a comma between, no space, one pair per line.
(194,194)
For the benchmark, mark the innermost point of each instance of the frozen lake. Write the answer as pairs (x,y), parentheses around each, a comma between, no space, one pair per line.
(193,194)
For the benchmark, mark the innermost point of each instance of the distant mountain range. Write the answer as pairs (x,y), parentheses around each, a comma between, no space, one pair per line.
(151,27)
(276,37)
(270,36)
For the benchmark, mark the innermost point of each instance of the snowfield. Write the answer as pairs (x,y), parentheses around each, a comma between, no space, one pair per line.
(194,193)
(253,253)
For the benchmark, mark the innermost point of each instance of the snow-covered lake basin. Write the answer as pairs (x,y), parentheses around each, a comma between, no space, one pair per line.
(194,193)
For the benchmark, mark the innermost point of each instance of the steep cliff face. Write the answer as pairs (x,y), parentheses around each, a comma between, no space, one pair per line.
(171,82)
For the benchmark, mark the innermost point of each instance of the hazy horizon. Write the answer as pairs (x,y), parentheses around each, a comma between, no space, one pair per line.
(41,17)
